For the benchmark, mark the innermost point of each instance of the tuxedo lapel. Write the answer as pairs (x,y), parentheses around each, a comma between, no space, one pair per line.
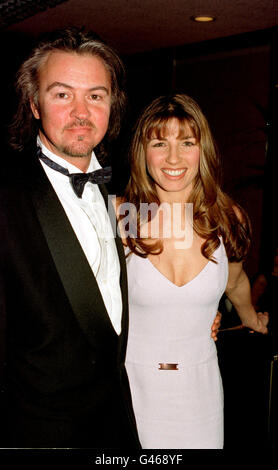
(123,278)
(75,273)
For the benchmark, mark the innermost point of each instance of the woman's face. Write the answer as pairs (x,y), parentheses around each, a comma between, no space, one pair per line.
(173,161)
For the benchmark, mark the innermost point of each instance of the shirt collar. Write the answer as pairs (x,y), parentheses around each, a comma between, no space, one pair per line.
(94,164)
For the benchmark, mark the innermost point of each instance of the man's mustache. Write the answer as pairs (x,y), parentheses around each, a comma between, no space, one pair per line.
(79,123)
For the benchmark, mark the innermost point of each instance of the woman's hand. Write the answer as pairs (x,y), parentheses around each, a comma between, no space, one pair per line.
(215,326)
(262,322)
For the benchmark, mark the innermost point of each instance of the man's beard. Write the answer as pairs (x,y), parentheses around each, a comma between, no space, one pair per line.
(77,151)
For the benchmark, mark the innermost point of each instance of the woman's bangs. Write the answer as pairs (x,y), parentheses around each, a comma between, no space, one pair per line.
(160,128)
(157,129)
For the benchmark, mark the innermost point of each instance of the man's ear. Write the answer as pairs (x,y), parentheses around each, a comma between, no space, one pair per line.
(34,109)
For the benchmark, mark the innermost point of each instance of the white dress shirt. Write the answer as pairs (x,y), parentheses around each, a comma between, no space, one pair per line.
(90,222)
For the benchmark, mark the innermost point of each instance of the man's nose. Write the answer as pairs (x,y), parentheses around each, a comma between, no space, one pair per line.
(80,109)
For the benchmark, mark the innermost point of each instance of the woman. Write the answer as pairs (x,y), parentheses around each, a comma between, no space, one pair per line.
(180,261)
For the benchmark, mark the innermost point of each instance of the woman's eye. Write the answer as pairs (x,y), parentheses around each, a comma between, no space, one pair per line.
(158,144)
(189,143)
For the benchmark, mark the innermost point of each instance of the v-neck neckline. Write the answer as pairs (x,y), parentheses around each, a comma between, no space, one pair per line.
(172,283)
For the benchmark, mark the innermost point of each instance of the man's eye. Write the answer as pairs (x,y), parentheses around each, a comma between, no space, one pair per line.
(62,95)
(95,97)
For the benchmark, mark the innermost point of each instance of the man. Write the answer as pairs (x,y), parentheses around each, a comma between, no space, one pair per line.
(65,383)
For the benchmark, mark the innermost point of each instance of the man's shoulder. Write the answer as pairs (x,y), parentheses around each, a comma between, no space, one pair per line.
(30,150)
(15,164)
(18,170)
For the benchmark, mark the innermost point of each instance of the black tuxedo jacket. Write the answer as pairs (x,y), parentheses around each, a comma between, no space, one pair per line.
(64,384)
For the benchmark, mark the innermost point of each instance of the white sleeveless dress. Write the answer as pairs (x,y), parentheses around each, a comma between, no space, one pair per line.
(175,409)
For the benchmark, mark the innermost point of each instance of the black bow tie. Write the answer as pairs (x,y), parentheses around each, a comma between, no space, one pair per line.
(78,180)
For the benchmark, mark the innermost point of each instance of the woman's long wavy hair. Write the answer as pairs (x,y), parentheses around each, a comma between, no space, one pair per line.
(214,213)
(24,127)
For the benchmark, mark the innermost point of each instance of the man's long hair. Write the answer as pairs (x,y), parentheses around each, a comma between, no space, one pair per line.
(24,127)
(214,213)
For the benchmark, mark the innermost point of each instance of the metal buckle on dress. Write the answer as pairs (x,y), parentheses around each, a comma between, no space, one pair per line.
(164,366)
